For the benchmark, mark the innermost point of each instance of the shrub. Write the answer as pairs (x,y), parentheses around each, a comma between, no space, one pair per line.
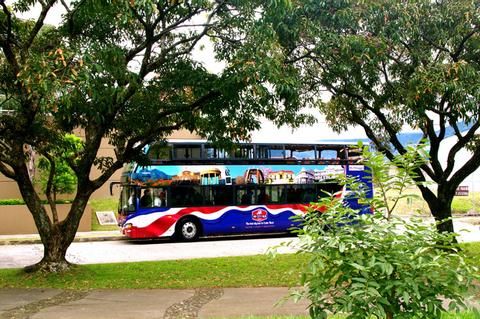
(364,265)
(377,265)
(18,201)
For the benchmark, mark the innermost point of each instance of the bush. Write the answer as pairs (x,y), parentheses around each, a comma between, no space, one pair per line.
(12,202)
(365,265)
(18,201)
(377,265)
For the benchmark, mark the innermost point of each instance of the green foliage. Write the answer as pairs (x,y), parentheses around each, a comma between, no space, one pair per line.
(63,180)
(12,202)
(245,271)
(128,72)
(391,179)
(369,265)
(18,201)
(388,68)
(363,265)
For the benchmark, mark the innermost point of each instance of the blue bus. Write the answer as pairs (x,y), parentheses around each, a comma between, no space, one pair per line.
(193,188)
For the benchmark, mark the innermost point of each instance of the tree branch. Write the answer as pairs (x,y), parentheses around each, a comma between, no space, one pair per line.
(7,43)
(133,52)
(381,117)
(36,28)
(8,172)
(462,141)
(434,146)
(48,190)
(455,55)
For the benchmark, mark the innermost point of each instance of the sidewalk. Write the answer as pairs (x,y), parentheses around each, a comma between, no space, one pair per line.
(151,303)
(79,237)
(148,303)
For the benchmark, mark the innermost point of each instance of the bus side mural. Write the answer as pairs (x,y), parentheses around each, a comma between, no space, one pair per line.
(176,198)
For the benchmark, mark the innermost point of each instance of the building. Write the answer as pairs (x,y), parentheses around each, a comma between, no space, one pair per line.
(9,188)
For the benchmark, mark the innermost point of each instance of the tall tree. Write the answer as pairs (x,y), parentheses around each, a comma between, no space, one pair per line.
(389,65)
(124,70)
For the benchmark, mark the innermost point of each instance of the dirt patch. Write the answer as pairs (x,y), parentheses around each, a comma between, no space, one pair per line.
(28,310)
(190,307)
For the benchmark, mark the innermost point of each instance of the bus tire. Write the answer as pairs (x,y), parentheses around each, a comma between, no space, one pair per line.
(187,229)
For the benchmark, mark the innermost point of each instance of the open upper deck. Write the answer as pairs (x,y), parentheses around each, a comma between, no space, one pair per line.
(201,152)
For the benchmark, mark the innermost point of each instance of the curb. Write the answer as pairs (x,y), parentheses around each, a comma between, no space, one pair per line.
(25,241)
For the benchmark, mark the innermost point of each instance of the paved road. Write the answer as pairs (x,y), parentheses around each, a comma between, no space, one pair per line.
(15,256)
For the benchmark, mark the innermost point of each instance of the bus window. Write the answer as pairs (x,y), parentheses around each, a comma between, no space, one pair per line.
(245,195)
(328,154)
(159,197)
(147,198)
(194,196)
(159,152)
(270,151)
(262,151)
(262,196)
(276,151)
(128,200)
(354,154)
(213,153)
(208,195)
(187,152)
(244,151)
(275,193)
(185,196)
(324,189)
(300,151)
(294,194)
(223,195)
(308,194)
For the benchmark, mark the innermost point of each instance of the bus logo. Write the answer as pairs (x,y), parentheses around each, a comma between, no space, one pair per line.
(259,215)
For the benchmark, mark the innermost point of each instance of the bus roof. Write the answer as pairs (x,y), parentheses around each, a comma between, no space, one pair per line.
(327,142)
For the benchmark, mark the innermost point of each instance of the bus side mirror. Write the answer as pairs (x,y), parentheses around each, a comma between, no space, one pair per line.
(111,186)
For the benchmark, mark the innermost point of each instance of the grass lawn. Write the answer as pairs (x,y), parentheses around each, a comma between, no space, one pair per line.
(248,271)
(472,250)
(257,271)
(104,204)
(460,204)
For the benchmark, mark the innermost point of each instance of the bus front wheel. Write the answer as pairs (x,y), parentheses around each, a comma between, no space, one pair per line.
(187,230)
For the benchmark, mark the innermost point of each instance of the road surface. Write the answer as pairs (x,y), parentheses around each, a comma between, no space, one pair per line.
(16,256)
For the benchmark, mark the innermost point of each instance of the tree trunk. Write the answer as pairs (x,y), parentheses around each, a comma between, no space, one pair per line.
(441,207)
(56,236)
(61,235)
(55,246)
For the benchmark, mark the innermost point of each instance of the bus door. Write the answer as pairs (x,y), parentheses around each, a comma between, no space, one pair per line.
(128,202)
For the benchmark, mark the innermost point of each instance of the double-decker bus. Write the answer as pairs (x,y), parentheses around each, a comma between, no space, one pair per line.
(193,188)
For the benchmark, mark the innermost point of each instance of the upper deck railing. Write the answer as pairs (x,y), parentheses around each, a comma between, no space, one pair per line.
(202,153)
